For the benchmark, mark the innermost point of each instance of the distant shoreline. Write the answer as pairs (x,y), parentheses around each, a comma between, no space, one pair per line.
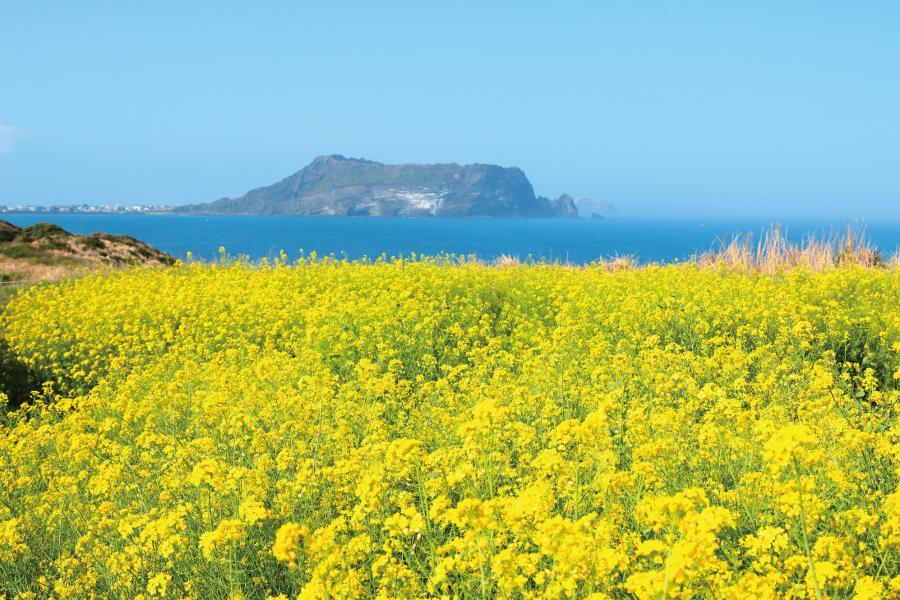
(711,219)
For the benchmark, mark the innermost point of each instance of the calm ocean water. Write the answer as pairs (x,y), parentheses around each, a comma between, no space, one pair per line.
(576,241)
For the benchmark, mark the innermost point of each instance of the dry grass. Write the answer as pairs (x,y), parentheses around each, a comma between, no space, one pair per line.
(621,263)
(506,260)
(770,252)
(773,251)
(24,271)
(894,261)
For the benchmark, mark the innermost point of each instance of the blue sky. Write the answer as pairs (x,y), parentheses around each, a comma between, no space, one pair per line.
(765,109)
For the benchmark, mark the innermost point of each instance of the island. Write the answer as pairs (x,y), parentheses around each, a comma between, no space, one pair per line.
(353,187)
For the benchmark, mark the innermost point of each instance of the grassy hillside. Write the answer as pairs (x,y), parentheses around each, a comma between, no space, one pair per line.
(409,429)
(46,252)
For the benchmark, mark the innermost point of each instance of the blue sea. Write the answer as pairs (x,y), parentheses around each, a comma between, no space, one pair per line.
(563,240)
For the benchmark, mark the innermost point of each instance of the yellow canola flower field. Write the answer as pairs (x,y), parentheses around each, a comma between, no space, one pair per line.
(406,429)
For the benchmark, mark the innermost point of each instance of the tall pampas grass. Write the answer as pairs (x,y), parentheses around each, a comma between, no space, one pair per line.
(773,251)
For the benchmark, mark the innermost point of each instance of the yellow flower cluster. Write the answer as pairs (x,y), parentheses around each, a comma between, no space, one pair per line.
(287,541)
(436,428)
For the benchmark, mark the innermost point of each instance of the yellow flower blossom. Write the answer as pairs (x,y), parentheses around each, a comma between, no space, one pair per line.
(287,542)
(158,584)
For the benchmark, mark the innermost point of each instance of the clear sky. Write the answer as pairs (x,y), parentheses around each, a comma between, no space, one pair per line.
(767,109)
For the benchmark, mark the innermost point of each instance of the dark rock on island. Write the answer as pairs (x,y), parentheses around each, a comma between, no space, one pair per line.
(348,187)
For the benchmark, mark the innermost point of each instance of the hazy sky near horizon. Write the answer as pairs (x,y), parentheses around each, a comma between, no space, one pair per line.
(763,109)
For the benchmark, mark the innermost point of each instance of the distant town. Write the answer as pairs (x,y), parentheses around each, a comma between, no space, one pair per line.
(83,208)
